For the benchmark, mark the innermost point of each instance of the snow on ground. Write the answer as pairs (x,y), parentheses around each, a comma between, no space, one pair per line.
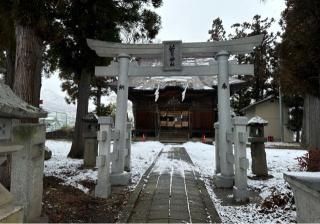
(288,145)
(71,171)
(143,155)
(279,161)
(202,155)
(166,164)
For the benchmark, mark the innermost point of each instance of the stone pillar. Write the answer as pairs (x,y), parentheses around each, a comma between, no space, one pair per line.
(217,157)
(259,159)
(226,177)
(240,192)
(27,169)
(90,140)
(127,164)
(103,188)
(118,175)
(258,152)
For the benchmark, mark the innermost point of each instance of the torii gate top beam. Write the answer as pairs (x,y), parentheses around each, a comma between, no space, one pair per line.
(194,50)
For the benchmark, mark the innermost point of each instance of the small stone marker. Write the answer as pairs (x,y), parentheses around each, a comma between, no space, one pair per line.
(258,152)
(90,140)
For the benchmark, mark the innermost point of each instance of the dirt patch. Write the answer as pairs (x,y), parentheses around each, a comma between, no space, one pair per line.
(65,204)
(277,200)
(261,177)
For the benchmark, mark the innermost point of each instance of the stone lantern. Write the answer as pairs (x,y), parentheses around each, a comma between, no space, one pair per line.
(257,140)
(24,145)
(90,122)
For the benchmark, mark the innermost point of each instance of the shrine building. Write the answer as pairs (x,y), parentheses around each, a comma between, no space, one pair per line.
(170,116)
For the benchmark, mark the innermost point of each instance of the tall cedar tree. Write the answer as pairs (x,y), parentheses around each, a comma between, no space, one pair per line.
(31,22)
(217,32)
(295,104)
(7,42)
(300,59)
(300,63)
(95,19)
(264,58)
(265,61)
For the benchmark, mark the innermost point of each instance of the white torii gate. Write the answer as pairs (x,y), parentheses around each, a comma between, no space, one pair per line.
(171,53)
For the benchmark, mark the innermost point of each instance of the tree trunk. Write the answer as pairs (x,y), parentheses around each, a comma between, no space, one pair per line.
(10,64)
(28,64)
(311,123)
(77,147)
(297,136)
(98,106)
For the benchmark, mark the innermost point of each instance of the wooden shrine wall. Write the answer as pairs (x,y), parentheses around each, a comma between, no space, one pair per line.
(200,106)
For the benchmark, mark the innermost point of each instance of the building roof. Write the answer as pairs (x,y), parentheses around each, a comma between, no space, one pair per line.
(193,82)
(11,106)
(257,120)
(258,102)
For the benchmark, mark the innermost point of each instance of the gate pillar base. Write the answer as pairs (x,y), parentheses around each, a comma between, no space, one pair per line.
(120,178)
(240,195)
(221,181)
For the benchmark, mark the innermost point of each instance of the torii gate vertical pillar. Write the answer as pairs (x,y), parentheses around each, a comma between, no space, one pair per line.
(226,177)
(118,175)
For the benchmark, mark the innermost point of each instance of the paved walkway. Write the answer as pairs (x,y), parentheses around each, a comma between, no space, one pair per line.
(170,191)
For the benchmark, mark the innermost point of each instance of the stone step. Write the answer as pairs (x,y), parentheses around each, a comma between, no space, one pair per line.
(173,136)
(11,213)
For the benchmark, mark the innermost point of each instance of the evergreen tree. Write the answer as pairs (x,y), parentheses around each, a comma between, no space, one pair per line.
(264,59)
(300,64)
(295,105)
(7,42)
(26,26)
(300,59)
(217,32)
(95,19)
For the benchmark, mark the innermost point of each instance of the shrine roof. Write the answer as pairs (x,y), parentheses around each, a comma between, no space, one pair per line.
(193,82)
(11,106)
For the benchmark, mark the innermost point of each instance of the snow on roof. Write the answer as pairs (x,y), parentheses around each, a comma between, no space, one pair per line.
(193,82)
(258,102)
(12,106)
(257,120)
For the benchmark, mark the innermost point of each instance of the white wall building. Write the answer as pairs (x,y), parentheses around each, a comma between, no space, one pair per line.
(269,110)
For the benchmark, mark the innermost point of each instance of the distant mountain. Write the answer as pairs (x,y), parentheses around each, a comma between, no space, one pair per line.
(56,106)
(53,102)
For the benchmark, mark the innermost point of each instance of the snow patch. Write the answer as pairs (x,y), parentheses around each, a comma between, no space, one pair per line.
(71,171)
(257,120)
(279,161)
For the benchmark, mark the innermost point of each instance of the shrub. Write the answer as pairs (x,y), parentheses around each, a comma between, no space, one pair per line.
(310,161)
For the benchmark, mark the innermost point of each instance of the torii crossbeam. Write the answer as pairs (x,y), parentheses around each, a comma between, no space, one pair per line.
(136,70)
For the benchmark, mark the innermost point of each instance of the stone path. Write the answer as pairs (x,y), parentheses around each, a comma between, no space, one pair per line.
(170,191)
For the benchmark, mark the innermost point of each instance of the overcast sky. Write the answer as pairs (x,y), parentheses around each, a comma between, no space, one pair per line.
(190,20)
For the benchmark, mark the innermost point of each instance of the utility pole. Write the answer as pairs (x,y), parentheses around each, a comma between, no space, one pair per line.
(281,115)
